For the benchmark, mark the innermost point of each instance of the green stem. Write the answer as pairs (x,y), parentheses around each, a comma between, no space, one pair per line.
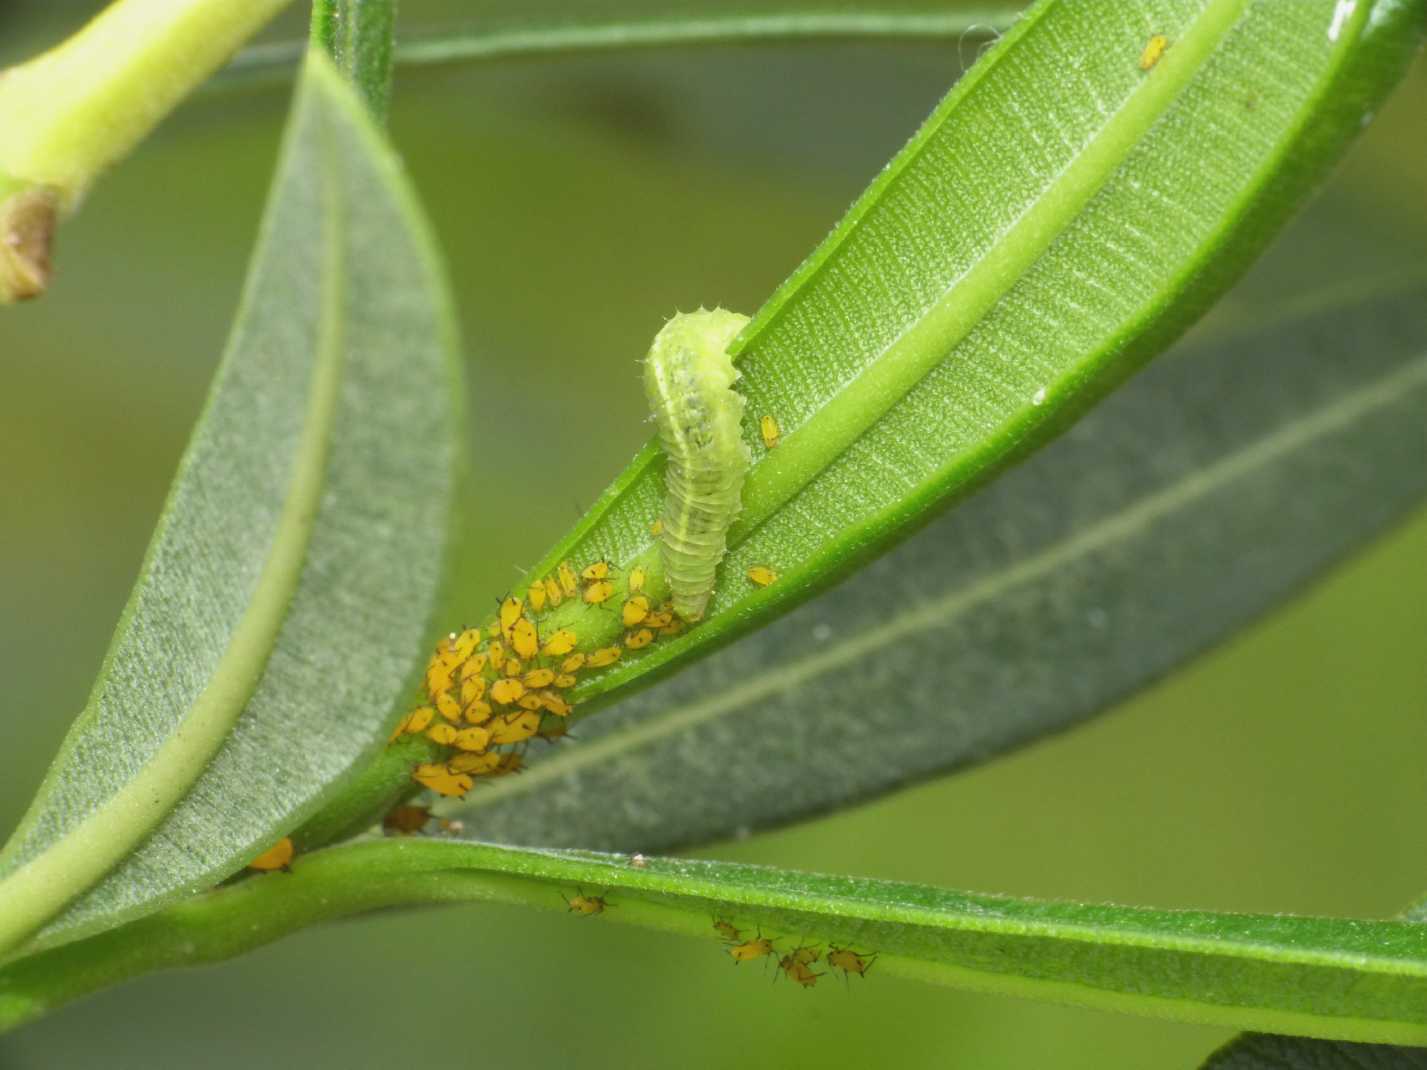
(357,34)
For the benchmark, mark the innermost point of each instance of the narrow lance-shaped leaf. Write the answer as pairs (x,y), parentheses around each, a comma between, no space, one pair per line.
(291,580)
(1320,976)
(1072,204)
(1207,489)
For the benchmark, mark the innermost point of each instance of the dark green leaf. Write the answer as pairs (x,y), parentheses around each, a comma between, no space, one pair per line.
(291,582)
(1206,490)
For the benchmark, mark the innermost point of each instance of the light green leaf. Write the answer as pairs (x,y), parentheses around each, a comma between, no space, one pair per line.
(1321,976)
(290,584)
(1059,218)
(1207,489)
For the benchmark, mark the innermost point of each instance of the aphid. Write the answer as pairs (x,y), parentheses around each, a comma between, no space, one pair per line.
(635,609)
(414,722)
(507,691)
(438,677)
(473,690)
(442,733)
(475,763)
(511,610)
(806,955)
(797,971)
(751,949)
(662,619)
(606,655)
(565,679)
(657,528)
(464,645)
(637,576)
(639,640)
(688,379)
(1154,48)
(477,712)
(673,628)
(560,643)
(497,653)
(769,429)
(509,763)
(553,703)
(536,596)
(537,678)
(524,639)
(553,594)
(599,592)
(514,727)
(762,575)
(586,905)
(275,857)
(404,820)
(448,707)
(849,961)
(573,663)
(473,666)
(440,779)
(598,571)
(513,667)
(569,583)
(472,739)
(529,701)
(727,931)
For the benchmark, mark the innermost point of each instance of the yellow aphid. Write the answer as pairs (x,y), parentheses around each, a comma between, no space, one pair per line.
(727,931)
(639,640)
(464,645)
(536,596)
(524,638)
(275,857)
(569,583)
(553,730)
(769,429)
(440,779)
(404,820)
(573,663)
(509,763)
(599,592)
(473,666)
(414,722)
(555,704)
(607,655)
(598,571)
(657,528)
(806,955)
(473,690)
(476,763)
(635,610)
(513,667)
(448,707)
(497,652)
(565,679)
(586,905)
(1154,48)
(560,643)
(506,691)
(515,727)
(674,627)
(662,619)
(511,609)
(438,677)
(529,701)
(476,739)
(553,594)
(442,733)
(477,712)
(762,575)
(751,949)
(799,972)
(849,961)
(637,576)
(536,678)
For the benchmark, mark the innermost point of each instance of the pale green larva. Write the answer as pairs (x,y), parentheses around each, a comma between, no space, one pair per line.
(689,380)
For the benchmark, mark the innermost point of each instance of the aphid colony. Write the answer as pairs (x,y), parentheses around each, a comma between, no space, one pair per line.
(796,964)
(491,690)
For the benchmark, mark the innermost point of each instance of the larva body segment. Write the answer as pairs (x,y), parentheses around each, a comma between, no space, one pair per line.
(689,378)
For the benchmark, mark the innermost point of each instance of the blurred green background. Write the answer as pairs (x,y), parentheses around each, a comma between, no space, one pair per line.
(581,200)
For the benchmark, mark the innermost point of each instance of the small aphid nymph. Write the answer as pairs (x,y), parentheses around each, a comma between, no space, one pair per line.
(275,857)
(762,575)
(770,431)
(586,905)
(1154,48)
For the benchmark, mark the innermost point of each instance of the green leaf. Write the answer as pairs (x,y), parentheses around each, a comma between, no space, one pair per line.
(1059,218)
(1364,980)
(1205,491)
(1264,1051)
(290,584)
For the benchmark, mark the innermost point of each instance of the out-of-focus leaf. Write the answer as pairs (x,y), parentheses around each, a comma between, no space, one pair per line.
(291,581)
(1209,488)
(1363,980)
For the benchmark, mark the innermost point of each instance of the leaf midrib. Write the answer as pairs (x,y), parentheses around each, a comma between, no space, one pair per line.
(42,886)
(1150,508)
